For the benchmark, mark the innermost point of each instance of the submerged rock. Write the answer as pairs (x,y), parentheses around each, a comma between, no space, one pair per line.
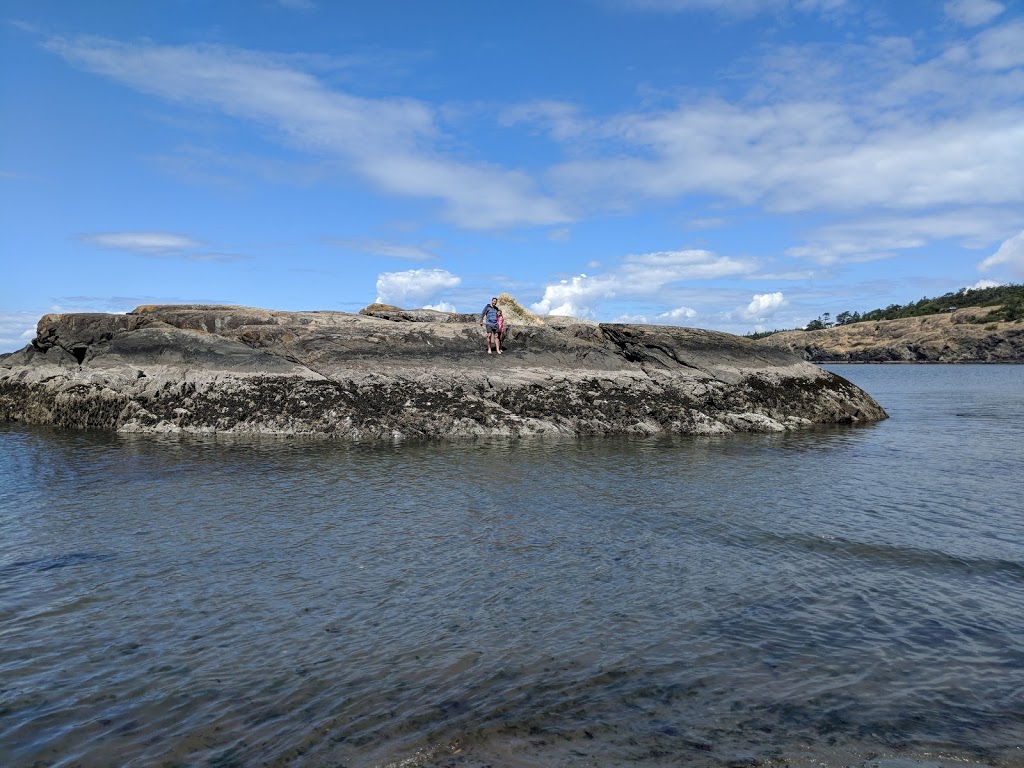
(388,372)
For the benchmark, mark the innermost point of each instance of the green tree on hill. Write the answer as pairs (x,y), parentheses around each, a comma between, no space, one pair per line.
(1011,297)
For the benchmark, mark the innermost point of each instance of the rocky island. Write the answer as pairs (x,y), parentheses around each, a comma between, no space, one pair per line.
(391,373)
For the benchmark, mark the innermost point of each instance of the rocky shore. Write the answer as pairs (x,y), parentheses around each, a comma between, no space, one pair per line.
(388,372)
(950,337)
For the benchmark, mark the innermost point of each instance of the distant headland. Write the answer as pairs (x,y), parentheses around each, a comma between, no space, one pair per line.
(982,325)
(388,372)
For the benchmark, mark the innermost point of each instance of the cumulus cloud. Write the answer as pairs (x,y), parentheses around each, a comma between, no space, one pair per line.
(638,276)
(762,306)
(972,13)
(390,142)
(158,245)
(679,313)
(1010,255)
(985,284)
(442,306)
(630,318)
(415,287)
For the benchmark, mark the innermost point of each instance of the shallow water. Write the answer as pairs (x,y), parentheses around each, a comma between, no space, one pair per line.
(833,596)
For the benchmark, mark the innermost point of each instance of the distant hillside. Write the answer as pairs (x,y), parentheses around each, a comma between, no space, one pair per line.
(962,335)
(1005,302)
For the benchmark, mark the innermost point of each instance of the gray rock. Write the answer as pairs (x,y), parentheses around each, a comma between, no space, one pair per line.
(389,372)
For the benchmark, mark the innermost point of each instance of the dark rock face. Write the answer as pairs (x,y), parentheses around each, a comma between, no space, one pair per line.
(389,372)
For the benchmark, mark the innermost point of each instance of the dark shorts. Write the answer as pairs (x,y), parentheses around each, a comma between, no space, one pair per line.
(492,328)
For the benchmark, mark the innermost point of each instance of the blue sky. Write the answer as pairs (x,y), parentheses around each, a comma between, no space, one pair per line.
(734,165)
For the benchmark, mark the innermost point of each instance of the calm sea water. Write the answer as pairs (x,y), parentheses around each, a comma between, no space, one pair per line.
(832,597)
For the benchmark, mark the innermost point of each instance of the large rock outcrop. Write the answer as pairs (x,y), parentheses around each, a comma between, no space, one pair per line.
(390,372)
(951,337)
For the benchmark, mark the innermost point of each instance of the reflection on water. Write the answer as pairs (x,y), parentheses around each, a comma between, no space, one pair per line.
(833,596)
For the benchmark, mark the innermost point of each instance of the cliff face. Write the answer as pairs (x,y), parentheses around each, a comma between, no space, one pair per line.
(391,372)
(943,338)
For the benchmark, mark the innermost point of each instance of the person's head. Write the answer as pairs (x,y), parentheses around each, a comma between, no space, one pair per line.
(494,301)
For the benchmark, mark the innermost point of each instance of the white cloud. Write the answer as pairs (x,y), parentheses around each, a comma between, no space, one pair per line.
(985,284)
(17,329)
(631,319)
(387,141)
(763,306)
(641,276)
(1009,255)
(415,287)
(679,313)
(571,297)
(972,13)
(442,306)
(163,245)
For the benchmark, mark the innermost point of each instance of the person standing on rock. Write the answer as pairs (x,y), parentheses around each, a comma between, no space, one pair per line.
(490,317)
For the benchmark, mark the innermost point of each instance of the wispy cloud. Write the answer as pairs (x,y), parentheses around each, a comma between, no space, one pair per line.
(422,252)
(386,141)
(850,130)
(163,245)
(874,237)
(741,8)
(972,13)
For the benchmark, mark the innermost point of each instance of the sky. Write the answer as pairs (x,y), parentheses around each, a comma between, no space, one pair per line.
(740,165)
